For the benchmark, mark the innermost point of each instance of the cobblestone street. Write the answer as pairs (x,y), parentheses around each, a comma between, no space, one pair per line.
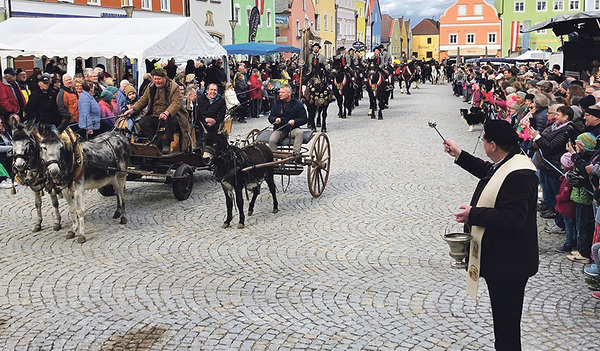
(363,267)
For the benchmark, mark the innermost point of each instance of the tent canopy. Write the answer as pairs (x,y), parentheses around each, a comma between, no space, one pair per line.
(254,48)
(529,56)
(178,37)
(582,22)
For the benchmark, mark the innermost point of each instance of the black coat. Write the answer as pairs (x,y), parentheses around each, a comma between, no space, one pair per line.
(294,110)
(42,108)
(552,144)
(205,109)
(509,248)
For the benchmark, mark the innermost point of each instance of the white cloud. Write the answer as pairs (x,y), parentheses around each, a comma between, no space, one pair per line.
(416,10)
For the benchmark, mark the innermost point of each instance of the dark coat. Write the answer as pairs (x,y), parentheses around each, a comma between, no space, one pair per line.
(509,248)
(552,144)
(42,108)
(205,109)
(294,110)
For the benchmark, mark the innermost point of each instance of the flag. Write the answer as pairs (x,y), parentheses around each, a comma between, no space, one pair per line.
(514,35)
(261,5)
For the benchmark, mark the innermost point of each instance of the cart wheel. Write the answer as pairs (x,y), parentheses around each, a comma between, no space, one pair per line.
(318,165)
(182,188)
(252,136)
(107,190)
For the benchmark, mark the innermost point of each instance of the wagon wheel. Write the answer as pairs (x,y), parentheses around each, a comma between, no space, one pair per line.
(318,165)
(252,136)
(182,188)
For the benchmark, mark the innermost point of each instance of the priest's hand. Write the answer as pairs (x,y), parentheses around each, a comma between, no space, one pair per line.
(463,216)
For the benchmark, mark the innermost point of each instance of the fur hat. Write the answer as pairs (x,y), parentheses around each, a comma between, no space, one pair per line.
(589,141)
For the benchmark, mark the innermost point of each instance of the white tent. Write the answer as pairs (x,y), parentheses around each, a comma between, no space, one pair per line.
(141,38)
(532,55)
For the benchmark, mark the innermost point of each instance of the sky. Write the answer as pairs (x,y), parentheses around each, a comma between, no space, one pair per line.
(416,10)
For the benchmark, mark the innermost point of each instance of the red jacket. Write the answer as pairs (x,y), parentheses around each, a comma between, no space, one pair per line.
(255,88)
(564,205)
(8,100)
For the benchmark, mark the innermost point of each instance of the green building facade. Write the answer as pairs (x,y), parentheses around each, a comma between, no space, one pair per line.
(266,30)
(529,13)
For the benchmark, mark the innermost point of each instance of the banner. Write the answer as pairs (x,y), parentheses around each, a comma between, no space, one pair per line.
(254,22)
(260,4)
(514,35)
(525,40)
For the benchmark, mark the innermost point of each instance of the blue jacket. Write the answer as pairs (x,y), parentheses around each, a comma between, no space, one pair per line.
(89,112)
(121,99)
(293,111)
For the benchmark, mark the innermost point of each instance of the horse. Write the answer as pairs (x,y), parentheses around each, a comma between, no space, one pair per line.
(406,73)
(317,97)
(29,170)
(376,87)
(75,166)
(227,162)
(360,84)
(342,88)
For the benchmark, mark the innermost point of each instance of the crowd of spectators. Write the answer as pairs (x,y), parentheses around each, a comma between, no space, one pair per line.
(557,118)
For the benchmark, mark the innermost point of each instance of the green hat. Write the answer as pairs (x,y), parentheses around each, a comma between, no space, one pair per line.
(521,94)
(106,95)
(589,141)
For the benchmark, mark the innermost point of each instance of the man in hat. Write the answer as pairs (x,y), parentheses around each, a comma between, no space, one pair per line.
(12,101)
(556,75)
(316,62)
(165,108)
(22,82)
(343,58)
(42,106)
(502,216)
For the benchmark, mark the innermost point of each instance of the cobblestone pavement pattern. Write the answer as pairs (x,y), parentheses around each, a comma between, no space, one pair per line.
(363,267)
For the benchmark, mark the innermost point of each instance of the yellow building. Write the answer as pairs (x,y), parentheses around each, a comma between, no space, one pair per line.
(426,40)
(325,16)
(360,7)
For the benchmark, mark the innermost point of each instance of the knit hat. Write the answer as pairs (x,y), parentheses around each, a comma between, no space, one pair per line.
(521,94)
(106,95)
(529,97)
(112,89)
(587,101)
(565,160)
(589,141)
(129,89)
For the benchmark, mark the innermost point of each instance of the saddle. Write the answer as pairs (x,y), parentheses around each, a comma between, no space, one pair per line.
(73,144)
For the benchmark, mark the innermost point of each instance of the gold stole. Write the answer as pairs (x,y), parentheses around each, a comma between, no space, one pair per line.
(488,199)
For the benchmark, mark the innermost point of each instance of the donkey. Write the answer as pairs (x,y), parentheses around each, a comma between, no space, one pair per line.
(75,167)
(29,170)
(227,162)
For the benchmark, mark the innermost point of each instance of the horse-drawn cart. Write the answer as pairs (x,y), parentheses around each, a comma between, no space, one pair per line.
(315,155)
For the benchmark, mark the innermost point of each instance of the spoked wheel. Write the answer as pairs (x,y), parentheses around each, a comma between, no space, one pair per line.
(252,136)
(182,188)
(319,164)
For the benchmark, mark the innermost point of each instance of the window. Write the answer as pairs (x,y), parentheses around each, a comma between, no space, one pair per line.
(217,38)
(541,5)
(165,5)
(428,40)
(277,32)
(331,23)
(453,38)
(236,14)
(558,5)
(298,28)
(478,9)
(303,5)
(429,54)
(462,10)
(337,28)
(596,5)
(491,38)
(147,5)
(94,2)
(248,12)
(269,18)
(318,22)
(325,22)
(574,5)
(470,38)
(519,6)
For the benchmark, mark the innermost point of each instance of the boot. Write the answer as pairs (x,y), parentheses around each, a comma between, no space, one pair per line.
(175,143)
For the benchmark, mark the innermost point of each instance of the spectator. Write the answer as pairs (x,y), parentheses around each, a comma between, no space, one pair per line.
(107,113)
(22,81)
(121,97)
(89,112)
(255,93)
(241,88)
(91,77)
(145,83)
(12,101)
(171,69)
(67,101)
(42,106)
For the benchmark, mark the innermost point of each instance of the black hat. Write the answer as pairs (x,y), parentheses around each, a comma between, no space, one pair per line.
(316,44)
(529,97)
(501,132)
(46,78)
(159,72)
(10,71)
(350,49)
(593,110)
(19,70)
(341,48)
(587,101)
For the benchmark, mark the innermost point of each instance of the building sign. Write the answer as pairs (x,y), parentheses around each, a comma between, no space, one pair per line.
(281,20)
(254,22)
(358,45)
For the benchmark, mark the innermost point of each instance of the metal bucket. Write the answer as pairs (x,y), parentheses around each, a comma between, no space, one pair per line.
(458,243)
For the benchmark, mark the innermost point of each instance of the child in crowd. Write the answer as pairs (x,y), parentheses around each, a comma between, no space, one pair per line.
(566,207)
(132,98)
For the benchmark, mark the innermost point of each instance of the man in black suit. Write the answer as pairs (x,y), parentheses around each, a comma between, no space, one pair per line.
(509,246)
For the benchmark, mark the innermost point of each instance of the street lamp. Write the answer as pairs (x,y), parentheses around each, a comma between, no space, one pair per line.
(128,7)
(232,24)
